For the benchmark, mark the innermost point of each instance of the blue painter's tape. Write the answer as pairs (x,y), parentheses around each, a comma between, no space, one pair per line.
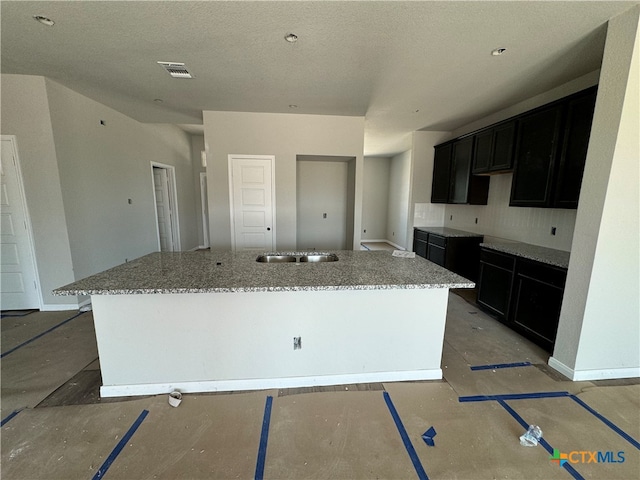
(608,423)
(40,335)
(121,444)
(9,417)
(567,466)
(264,438)
(512,396)
(501,365)
(422,475)
(428,437)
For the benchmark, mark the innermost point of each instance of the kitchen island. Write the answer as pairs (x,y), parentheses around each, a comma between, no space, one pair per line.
(218,321)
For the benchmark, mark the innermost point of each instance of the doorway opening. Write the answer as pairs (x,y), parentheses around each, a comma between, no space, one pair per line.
(166,203)
(325,202)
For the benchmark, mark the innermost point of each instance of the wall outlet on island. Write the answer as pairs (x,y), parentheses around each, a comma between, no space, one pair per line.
(297,343)
(553,230)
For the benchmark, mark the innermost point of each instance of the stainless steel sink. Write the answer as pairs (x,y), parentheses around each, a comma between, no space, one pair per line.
(302,258)
(276,258)
(319,258)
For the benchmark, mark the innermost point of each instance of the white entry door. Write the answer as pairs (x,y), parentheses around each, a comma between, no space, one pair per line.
(163,209)
(18,281)
(252,202)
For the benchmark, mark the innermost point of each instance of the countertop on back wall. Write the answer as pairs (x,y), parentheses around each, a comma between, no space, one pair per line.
(214,271)
(448,232)
(550,256)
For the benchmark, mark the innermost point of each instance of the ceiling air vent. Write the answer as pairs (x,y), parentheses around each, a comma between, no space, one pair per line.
(176,70)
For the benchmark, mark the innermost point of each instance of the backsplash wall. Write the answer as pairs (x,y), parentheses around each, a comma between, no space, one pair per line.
(522,224)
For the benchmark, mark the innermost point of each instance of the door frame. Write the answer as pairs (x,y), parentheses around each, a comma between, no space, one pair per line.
(203,206)
(230,160)
(173,198)
(29,227)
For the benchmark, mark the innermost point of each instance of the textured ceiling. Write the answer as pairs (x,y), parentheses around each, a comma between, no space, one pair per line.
(405,66)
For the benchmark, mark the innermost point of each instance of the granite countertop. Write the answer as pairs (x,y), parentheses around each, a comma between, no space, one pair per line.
(550,256)
(448,232)
(211,271)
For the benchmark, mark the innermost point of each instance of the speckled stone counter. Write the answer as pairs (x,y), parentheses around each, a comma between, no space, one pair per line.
(448,232)
(207,272)
(550,256)
(219,321)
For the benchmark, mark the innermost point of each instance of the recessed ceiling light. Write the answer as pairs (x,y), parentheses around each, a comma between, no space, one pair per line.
(158,100)
(293,106)
(498,51)
(291,37)
(44,20)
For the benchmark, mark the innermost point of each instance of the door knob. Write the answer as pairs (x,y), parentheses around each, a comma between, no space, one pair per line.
(268,229)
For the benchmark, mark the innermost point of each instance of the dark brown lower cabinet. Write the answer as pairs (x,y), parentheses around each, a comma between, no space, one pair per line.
(524,294)
(458,254)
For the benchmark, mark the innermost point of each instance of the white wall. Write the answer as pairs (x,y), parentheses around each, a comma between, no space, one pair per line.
(286,136)
(375,198)
(197,146)
(399,188)
(599,332)
(101,167)
(25,114)
(79,175)
(522,224)
(322,188)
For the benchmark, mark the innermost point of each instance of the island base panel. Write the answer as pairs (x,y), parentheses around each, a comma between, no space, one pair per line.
(154,343)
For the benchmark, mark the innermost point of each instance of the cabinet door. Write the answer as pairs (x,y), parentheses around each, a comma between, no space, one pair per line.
(536,147)
(436,254)
(461,172)
(495,282)
(420,247)
(482,151)
(441,174)
(502,153)
(574,150)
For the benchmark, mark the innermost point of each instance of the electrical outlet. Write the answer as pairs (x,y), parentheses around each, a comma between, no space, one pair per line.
(451,218)
(553,230)
(297,343)
(324,215)
(476,220)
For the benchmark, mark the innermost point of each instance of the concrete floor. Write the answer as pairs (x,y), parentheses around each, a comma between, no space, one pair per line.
(65,431)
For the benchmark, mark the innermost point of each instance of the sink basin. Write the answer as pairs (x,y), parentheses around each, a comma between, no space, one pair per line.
(319,258)
(276,259)
(302,258)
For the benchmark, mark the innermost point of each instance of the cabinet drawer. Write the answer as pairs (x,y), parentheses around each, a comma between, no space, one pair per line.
(542,273)
(498,259)
(420,235)
(437,240)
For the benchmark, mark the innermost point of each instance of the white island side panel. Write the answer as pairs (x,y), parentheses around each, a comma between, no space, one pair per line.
(154,343)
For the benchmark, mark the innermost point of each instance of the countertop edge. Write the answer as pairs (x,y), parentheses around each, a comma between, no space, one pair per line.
(512,249)
(142,291)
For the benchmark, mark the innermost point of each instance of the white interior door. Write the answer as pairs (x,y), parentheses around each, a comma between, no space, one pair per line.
(252,202)
(18,280)
(163,209)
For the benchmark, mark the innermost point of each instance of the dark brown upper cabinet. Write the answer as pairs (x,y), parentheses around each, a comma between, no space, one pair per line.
(441,173)
(551,150)
(536,148)
(452,179)
(493,149)
(579,116)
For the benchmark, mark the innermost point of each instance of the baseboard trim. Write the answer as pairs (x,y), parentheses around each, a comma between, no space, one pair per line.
(55,307)
(266,383)
(599,374)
